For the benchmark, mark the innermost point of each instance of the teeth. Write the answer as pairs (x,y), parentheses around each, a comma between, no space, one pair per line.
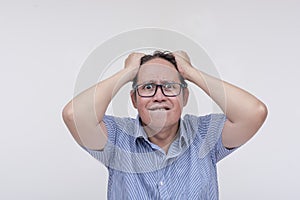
(160,109)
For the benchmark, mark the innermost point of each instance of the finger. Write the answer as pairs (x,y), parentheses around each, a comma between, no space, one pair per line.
(183,55)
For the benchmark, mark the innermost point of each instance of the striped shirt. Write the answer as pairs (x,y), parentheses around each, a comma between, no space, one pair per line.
(139,169)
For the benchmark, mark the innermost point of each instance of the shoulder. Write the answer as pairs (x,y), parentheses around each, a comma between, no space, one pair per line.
(209,134)
(204,122)
(120,126)
(119,122)
(207,127)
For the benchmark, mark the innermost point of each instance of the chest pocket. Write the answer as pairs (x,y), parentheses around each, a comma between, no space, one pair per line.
(190,179)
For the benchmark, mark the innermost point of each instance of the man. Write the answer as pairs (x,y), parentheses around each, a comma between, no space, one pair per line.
(160,155)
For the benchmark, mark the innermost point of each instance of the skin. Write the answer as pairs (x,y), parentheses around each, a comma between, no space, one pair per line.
(245,113)
(160,125)
(83,115)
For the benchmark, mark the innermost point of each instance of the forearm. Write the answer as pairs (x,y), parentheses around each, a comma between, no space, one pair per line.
(236,103)
(91,105)
(83,115)
(245,113)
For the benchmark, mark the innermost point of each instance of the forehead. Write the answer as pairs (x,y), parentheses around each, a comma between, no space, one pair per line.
(158,70)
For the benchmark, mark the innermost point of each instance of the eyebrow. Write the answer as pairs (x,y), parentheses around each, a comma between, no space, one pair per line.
(162,82)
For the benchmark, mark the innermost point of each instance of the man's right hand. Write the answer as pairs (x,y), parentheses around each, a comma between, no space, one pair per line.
(132,63)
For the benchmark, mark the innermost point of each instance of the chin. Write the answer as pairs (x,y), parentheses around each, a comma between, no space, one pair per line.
(159,120)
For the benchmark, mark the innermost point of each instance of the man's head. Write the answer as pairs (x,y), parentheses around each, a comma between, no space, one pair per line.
(159,91)
(166,55)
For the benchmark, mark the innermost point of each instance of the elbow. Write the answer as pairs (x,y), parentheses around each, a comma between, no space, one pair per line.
(262,112)
(258,116)
(68,113)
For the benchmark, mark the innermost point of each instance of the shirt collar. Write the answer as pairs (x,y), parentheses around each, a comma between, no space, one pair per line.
(183,138)
(139,130)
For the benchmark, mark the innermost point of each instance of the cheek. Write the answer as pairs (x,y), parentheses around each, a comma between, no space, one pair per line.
(141,107)
(177,109)
(145,116)
(178,103)
(175,114)
(141,104)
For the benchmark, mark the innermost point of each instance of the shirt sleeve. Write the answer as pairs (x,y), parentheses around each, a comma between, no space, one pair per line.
(210,129)
(220,151)
(106,155)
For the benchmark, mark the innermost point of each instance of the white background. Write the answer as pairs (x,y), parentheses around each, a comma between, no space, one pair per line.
(43,44)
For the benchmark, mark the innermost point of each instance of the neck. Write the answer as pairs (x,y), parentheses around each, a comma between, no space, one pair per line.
(162,137)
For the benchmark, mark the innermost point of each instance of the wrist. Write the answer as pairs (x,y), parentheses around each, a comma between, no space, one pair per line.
(190,73)
(129,74)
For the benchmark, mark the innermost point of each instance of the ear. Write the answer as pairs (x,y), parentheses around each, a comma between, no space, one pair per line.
(186,94)
(133,98)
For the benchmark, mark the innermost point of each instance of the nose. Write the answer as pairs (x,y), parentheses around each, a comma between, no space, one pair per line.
(159,96)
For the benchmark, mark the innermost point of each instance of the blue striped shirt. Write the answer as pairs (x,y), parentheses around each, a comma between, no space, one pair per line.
(139,169)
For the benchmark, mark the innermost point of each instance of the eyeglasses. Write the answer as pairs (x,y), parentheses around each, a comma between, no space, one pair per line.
(168,89)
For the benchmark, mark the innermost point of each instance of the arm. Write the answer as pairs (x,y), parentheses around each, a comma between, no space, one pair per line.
(245,113)
(83,115)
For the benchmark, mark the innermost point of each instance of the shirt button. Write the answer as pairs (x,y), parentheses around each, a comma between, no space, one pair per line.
(161,183)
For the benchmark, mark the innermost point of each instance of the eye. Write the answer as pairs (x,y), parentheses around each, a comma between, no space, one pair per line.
(169,86)
(148,86)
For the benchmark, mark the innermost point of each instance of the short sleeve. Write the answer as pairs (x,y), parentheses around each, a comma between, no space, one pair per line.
(220,151)
(210,130)
(113,125)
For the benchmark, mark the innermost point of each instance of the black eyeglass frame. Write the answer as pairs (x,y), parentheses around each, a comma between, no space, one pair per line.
(182,86)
